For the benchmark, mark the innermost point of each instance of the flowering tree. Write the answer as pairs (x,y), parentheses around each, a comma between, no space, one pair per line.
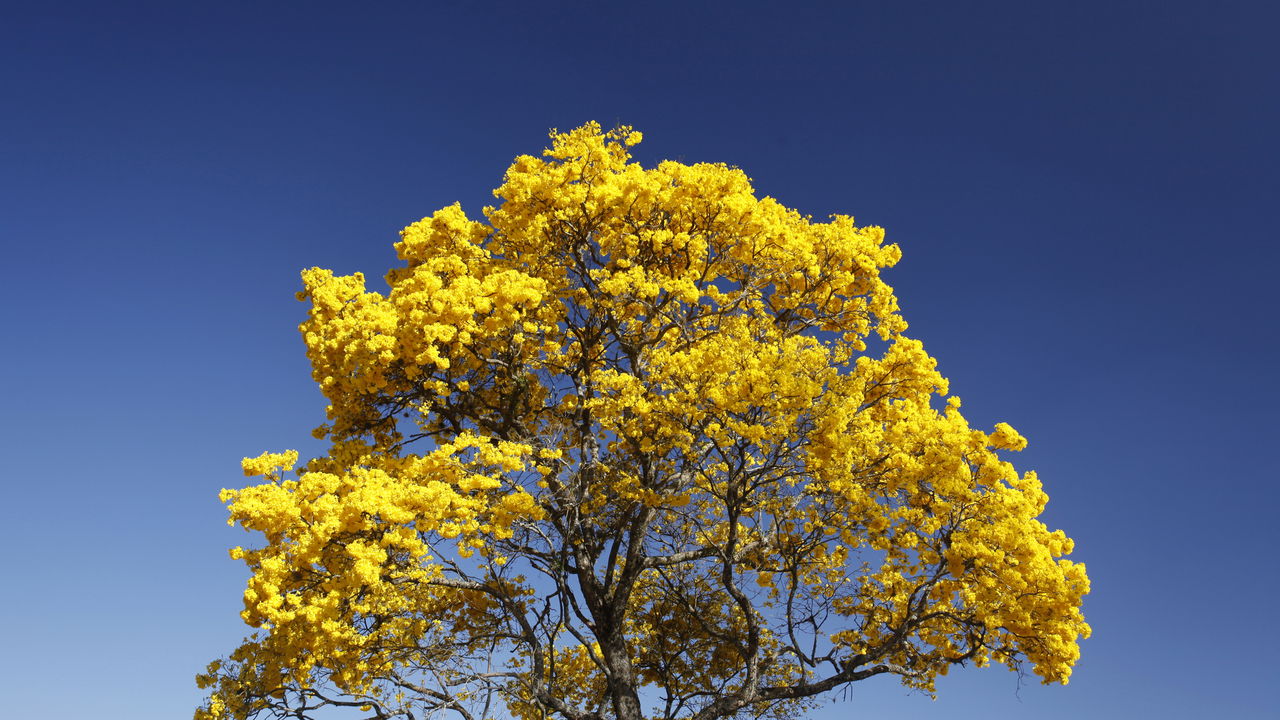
(621,450)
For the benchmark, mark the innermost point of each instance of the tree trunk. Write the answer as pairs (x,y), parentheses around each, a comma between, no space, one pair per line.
(622,683)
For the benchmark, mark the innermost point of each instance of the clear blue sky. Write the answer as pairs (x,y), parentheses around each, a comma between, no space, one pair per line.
(1085,194)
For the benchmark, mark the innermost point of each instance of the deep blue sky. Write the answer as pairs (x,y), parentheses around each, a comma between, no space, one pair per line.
(1085,194)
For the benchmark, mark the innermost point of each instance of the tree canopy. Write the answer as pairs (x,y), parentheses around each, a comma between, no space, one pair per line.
(639,444)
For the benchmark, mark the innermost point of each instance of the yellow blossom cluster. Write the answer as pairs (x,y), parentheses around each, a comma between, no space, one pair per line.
(626,432)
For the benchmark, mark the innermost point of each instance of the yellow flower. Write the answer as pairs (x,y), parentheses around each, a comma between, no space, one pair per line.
(651,389)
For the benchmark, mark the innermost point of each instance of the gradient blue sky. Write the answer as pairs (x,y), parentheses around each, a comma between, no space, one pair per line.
(1085,195)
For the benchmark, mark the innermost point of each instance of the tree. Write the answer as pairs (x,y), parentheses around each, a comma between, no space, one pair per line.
(639,445)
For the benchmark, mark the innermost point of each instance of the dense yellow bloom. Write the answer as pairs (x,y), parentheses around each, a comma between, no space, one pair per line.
(622,448)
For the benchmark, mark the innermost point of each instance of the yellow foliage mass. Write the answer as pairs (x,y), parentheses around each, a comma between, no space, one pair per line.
(626,432)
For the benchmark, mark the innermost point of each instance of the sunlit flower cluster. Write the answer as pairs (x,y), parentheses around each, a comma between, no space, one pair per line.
(646,387)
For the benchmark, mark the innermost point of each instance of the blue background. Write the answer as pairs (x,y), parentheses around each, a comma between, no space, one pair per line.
(1085,195)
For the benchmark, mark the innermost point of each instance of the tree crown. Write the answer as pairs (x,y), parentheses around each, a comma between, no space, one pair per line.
(623,450)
